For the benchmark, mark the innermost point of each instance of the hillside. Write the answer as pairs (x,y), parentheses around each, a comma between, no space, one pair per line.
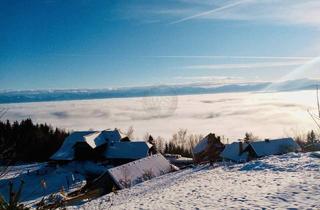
(288,181)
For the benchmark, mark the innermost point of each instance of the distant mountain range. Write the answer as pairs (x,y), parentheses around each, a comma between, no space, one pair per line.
(161,90)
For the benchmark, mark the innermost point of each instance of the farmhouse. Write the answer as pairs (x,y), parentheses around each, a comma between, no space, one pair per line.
(106,145)
(241,152)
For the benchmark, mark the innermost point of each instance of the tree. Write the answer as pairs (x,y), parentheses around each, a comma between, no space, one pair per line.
(249,137)
(130,132)
(311,137)
(28,142)
(159,142)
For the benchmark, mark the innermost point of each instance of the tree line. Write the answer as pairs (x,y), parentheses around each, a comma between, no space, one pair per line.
(28,142)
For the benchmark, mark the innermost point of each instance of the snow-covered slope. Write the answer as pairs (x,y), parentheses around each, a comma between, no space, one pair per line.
(42,180)
(288,181)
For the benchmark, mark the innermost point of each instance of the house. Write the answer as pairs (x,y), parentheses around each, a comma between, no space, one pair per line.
(242,152)
(100,146)
(84,145)
(268,147)
(208,149)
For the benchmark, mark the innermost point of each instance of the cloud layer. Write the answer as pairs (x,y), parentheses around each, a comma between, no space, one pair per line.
(265,114)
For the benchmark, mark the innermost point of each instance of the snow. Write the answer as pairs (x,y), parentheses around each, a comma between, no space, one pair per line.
(274,182)
(94,139)
(127,150)
(55,178)
(99,138)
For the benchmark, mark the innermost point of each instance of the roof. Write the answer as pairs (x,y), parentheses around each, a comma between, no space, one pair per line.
(99,138)
(231,152)
(66,151)
(92,138)
(135,172)
(127,150)
(274,147)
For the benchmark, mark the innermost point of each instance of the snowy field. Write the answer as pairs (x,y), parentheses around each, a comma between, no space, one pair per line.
(288,181)
(268,115)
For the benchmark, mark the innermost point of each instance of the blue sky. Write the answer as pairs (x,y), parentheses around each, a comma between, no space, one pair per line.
(99,44)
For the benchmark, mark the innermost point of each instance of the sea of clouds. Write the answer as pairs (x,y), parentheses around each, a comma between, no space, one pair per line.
(267,115)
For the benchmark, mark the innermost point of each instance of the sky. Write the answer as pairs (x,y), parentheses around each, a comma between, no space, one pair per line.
(56,44)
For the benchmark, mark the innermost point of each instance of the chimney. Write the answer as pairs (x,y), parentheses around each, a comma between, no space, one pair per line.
(240,147)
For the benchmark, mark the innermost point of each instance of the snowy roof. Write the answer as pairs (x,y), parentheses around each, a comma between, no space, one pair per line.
(127,150)
(66,151)
(201,146)
(232,152)
(92,138)
(99,138)
(274,147)
(134,172)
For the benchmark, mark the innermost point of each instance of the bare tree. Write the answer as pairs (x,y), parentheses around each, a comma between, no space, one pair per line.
(160,144)
(129,132)
(146,137)
(316,117)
